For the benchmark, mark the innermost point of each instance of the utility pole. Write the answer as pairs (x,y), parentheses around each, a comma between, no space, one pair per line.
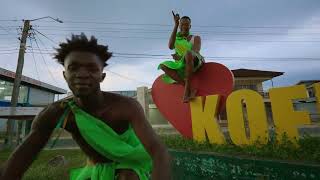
(17,82)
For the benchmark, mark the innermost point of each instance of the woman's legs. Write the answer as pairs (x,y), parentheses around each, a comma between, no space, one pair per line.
(189,93)
(173,74)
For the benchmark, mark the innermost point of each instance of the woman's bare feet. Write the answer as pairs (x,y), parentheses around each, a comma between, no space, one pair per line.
(189,95)
(193,94)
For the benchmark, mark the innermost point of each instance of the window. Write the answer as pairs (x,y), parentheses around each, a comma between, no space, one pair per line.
(249,86)
(311,92)
(6,92)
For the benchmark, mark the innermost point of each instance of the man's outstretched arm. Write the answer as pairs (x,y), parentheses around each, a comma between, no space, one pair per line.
(152,143)
(24,154)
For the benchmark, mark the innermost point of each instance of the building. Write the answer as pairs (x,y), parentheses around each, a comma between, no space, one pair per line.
(309,104)
(309,85)
(33,93)
(253,79)
(129,93)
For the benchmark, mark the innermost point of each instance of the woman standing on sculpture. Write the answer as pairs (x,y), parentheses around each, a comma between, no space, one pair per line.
(187,58)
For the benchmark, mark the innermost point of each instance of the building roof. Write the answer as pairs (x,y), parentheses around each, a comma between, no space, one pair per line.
(255,73)
(9,76)
(307,82)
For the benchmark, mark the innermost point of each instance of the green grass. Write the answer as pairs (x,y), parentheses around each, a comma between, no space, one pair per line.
(307,151)
(41,171)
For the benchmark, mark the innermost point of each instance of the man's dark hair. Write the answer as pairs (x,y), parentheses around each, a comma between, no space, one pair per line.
(186,17)
(82,43)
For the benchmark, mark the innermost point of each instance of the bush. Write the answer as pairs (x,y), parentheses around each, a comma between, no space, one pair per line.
(305,149)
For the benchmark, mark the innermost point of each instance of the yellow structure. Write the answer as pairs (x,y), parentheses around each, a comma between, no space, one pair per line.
(204,120)
(246,105)
(244,79)
(286,119)
(251,114)
(317,95)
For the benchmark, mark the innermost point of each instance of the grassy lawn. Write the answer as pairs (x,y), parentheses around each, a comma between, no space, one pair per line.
(307,151)
(41,171)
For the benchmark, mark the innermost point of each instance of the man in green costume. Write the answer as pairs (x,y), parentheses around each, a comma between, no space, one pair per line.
(110,129)
(187,58)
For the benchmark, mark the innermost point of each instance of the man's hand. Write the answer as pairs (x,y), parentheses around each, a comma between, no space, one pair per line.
(176,18)
(176,57)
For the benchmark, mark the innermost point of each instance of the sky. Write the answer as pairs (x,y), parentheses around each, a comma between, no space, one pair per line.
(268,35)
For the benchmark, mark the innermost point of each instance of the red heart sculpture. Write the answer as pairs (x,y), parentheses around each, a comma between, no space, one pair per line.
(212,78)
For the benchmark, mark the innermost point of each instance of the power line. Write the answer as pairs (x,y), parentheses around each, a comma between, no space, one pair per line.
(232,40)
(46,36)
(144,30)
(5,29)
(215,40)
(207,26)
(115,23)
(15,20)
(44,60)
(139,54)
(9,32)
(10,38)
(226,58)
(203,34)
(43,44)
(34,59)
(46,49)
(9,49)
(5,34)
(10,46)
(217,57)
(128,78)
(229,57)
(9,52)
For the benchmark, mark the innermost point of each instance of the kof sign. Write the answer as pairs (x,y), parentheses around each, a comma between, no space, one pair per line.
(198,118)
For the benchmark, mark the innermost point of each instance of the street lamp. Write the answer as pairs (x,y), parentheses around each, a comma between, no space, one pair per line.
(58,20)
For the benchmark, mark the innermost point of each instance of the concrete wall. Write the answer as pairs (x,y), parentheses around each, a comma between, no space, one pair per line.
(155,117)
(143,99)
(158,122)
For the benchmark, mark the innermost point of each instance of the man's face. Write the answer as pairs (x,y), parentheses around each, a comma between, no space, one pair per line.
(185,25)
(83,73)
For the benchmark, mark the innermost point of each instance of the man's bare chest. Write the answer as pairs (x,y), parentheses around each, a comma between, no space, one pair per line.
(112,118)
